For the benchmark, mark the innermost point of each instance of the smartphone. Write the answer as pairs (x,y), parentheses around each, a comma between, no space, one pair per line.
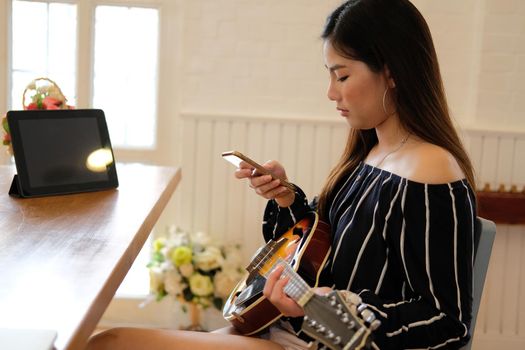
(236,157)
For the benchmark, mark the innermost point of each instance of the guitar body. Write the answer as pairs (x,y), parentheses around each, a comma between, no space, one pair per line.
(305,247)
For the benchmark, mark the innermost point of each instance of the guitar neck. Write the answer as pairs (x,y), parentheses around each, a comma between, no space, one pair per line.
(296,288)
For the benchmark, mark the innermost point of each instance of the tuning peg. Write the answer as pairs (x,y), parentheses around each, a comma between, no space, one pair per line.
(321,328)
(310,322)
(368,316)
(361,307)
(330,334)
(337,340)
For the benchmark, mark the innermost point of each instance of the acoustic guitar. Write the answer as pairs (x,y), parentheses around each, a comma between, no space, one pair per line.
(305,247)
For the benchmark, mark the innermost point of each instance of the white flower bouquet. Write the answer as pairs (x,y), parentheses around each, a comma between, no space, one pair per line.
(191,268)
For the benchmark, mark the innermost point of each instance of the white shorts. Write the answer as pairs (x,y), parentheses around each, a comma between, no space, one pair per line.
(287,340)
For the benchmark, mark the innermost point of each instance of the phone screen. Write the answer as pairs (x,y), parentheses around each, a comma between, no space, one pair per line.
(233,159)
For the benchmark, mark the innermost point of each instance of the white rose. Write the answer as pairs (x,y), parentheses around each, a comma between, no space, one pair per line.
(209,259)
(233,260)
(201,285)
(186,270)
(166,265)
(173,282)
(225,282)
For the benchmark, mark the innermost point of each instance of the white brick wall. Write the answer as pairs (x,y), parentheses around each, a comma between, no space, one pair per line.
(264,57)
(501,92)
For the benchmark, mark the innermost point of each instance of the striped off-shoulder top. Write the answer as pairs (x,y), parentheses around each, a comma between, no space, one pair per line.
(405,247)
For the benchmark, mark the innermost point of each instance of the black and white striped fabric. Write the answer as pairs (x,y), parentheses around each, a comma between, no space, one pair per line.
(405,247)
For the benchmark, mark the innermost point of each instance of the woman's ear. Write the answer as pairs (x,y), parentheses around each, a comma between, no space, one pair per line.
(388,77)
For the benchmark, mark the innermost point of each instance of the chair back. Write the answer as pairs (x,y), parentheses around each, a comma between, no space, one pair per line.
(484,235)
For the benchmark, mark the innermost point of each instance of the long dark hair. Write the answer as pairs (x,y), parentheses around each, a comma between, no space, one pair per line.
(393,34)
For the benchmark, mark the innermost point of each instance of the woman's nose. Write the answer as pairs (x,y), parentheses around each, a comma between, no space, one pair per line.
(332,93)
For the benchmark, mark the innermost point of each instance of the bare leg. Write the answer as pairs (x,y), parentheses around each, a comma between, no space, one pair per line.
(141,338)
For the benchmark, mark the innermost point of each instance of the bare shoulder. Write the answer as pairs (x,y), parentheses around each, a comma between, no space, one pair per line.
(428,163)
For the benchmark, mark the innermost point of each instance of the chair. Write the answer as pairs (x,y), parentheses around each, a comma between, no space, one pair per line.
(484,234)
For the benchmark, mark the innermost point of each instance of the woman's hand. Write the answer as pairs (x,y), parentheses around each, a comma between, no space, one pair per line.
(273,291)
(264,185)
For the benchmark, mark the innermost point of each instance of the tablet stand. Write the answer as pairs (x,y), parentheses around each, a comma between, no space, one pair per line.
(16,188)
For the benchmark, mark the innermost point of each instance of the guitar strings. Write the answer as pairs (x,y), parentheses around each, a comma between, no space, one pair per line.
(268,257)
(255,264)
(268,251)
(296,287)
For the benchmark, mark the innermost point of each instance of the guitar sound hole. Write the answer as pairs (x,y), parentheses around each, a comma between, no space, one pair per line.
(251,292)
(298,232)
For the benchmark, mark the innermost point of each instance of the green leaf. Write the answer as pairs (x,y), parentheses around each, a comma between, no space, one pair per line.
(5,125)
(161,294)
(217,302)
(187,294)
(158,257)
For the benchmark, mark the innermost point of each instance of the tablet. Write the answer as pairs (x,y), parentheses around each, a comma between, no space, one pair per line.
(61,151)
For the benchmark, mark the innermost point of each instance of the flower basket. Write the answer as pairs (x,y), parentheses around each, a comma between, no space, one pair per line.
(43,93)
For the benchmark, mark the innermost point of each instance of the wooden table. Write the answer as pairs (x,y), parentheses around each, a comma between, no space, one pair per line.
(62,258)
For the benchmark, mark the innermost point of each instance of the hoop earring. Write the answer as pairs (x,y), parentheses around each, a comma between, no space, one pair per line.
(384,104)
(384,97)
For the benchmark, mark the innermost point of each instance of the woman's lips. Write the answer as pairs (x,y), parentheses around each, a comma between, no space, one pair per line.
(343,112)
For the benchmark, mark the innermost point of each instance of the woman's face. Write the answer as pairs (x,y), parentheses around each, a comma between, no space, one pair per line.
(356,90)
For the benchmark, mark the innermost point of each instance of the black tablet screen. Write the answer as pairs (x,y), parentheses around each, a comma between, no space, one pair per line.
(62,151)
(56,150)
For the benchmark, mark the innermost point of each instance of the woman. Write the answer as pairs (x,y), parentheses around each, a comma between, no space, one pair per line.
(399,202)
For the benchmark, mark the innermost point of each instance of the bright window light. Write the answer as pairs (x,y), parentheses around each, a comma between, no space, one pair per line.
(125,73)
(44,44)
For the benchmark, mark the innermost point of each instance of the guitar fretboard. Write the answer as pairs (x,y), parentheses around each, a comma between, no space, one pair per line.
(296,288)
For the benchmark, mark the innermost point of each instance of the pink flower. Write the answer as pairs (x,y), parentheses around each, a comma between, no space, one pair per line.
(51,103)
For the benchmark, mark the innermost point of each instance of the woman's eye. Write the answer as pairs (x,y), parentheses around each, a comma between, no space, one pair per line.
(342,78)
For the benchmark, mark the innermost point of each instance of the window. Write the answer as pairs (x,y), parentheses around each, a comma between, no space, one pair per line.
(123,61)
(125,73)
(44,44)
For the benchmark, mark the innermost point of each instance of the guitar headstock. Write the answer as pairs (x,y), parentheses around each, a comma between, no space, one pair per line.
(333,321)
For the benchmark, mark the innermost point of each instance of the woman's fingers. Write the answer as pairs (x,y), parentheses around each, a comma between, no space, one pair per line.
(274,292)
(267,186)
(261,180)
(242,173)
(270,281)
